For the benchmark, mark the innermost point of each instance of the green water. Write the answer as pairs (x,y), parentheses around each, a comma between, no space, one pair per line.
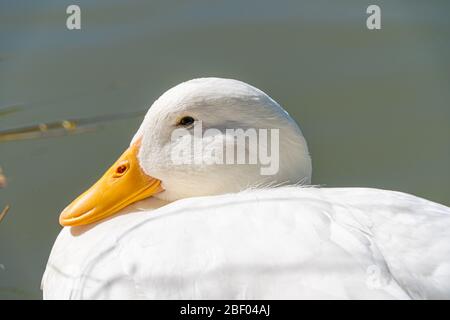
(373,105)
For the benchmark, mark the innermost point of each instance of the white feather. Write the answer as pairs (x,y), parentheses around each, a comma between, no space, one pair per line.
(289,242)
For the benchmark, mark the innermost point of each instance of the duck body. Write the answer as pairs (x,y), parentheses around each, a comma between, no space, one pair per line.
(153,227)
(275,243)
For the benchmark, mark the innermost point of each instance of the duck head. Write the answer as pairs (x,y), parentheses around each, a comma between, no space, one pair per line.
(202,137)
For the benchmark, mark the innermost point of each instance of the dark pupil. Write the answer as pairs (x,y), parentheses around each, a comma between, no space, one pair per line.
(186,121)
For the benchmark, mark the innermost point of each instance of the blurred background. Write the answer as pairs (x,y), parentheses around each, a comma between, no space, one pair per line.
(373,105)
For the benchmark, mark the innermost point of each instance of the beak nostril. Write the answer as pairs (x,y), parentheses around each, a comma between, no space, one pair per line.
(121,169)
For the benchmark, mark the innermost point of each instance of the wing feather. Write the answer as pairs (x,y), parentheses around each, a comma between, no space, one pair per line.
(288,242)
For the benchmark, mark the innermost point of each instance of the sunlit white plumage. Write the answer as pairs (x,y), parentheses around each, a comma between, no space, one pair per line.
(210,236)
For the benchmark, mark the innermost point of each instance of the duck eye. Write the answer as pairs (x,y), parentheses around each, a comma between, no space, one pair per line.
(186,121)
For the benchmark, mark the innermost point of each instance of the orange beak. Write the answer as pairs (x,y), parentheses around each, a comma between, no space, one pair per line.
(123,184)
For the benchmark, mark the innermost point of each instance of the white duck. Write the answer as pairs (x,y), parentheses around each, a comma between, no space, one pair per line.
(217,231)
